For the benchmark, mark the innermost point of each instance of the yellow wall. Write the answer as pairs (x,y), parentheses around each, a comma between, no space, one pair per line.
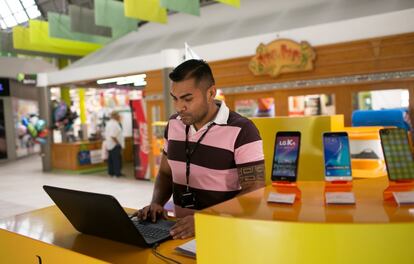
(239,240)
(311,150)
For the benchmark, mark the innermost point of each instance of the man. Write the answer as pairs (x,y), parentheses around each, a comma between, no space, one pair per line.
(114,142)
(211,154)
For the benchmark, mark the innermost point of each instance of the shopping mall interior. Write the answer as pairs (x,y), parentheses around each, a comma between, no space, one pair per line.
(328,84)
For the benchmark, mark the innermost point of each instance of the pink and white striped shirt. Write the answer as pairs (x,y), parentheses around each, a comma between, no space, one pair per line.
(231,143)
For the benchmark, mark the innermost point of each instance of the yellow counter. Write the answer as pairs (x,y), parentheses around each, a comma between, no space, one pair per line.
(48,235)
(247,229)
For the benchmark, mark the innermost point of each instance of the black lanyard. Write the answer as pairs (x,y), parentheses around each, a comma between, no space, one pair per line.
(189,152)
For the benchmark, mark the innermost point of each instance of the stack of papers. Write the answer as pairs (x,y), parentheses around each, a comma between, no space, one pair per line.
(188,249)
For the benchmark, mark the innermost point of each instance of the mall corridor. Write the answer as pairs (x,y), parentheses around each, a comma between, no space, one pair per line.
(21,186)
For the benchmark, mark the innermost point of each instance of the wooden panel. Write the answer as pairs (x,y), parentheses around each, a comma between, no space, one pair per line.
(154,82)
(127,152)
(392,53)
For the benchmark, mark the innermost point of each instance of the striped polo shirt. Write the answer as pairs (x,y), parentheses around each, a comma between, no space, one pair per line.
(233,141)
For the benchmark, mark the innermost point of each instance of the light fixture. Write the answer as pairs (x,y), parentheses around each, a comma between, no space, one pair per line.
(135,79)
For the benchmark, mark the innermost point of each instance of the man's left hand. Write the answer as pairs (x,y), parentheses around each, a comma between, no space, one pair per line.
(184,228)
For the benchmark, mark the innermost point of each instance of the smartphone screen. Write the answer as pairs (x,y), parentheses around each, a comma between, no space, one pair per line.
(337,156)
(286,154)
(397,153)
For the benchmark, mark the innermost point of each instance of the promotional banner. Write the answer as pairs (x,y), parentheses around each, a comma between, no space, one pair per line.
(185,6)
(148,10)
(120,24)
(141,146)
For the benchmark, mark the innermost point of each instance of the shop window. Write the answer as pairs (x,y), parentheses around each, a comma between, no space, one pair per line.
(310,105)
(262,107)
(381,99)
(99,104)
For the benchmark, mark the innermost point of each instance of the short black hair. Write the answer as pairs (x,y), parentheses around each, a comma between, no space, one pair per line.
(198,70)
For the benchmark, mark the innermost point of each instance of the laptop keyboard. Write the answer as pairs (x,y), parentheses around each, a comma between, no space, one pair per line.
(152,231)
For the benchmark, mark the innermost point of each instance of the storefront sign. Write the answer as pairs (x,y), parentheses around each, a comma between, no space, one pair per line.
(282,56)
(27,78)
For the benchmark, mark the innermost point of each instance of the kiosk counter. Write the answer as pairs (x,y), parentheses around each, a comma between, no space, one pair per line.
(46,236)
(84,156)
(246,229)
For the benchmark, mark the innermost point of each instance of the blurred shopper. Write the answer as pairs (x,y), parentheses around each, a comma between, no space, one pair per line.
(114,142)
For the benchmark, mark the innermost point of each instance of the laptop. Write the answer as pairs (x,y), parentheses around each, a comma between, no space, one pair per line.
(101,215)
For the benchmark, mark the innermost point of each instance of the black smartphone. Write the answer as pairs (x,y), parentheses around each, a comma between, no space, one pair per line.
(286,156)
(397,153)
(337,156)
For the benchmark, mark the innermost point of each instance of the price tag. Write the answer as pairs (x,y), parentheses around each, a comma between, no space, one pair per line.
(404,197)
(285,198)
(188,249)
(340,198)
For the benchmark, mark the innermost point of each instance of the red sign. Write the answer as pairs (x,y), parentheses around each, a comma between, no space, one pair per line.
(140,144)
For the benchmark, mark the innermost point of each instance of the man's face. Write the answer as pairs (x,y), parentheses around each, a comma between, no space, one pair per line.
(190,102)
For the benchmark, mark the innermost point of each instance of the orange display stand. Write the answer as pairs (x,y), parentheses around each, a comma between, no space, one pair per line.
(397,186)
(338,186)
(288,188)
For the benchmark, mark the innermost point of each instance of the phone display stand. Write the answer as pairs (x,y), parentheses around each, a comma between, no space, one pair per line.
(338,186)
(288,188)
(397,186)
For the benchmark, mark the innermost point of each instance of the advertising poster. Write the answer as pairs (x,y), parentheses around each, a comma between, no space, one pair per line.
(140,141)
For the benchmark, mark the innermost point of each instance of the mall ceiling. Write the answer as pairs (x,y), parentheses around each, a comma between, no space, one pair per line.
(52,24)
(62,6)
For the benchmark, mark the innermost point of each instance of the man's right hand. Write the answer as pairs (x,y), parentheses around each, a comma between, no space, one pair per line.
(152,211)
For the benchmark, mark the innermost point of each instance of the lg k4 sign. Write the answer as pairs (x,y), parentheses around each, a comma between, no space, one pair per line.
(282,56)
(287,142)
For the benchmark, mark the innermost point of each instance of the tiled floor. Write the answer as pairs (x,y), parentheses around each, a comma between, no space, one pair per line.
(21,186)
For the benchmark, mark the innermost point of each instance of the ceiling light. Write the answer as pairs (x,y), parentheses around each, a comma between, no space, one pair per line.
(124,79)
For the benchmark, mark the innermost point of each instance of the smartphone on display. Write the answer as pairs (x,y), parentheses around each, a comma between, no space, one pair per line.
(397,153)
(286,156)
(337,156)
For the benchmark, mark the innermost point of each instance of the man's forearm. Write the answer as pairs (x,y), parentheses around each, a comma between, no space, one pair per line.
(162,189)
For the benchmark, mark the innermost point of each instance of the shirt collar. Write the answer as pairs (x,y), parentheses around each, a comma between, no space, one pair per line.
(220,119)
(223,113)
